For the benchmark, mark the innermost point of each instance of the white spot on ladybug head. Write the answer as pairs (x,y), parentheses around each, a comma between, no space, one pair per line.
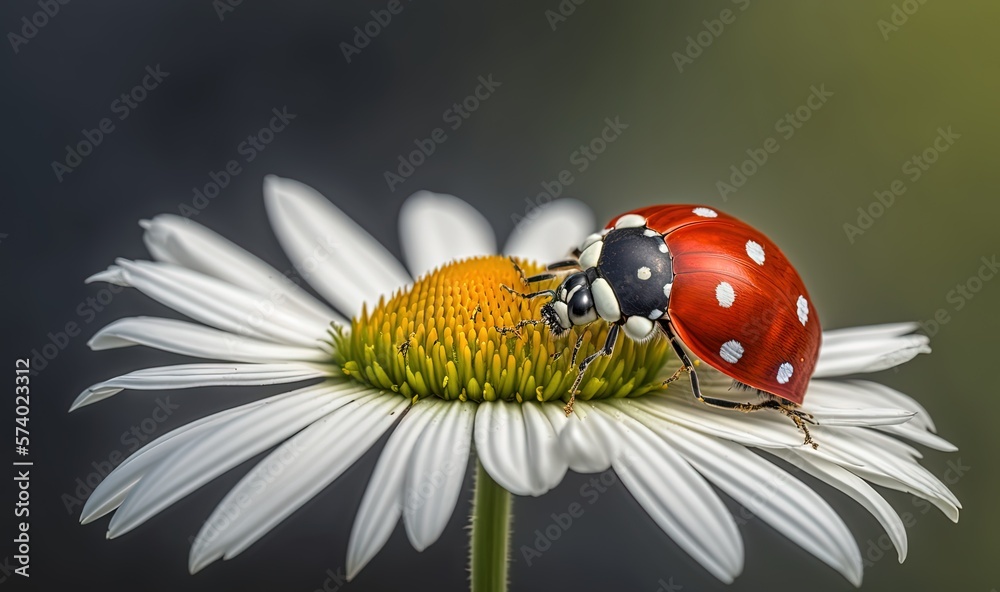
(666,289)
(725,294)
(630,221)
(639,328)
(756,252)
(785,373)
(663,248)
(593,238)
(563,313)
(803,309)
(649,232)
(705,212)
(655,314)
(644,273)
(591,255)
(605,301)
(731,351)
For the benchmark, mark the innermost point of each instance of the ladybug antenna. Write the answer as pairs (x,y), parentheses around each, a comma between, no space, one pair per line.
(568,264)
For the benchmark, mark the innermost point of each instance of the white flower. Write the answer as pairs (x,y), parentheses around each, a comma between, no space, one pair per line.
(667,448)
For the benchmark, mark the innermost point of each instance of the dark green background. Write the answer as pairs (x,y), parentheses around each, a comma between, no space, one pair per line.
(686,129)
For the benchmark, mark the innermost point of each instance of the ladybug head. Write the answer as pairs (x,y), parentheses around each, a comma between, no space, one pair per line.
(572,305)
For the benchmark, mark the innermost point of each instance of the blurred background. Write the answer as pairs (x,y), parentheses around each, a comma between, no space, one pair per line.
(877,121)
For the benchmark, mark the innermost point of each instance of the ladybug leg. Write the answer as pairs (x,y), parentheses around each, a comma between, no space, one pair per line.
(530,295)
(404,348)
(576,348)
(686,365)
(677,374)
(790,410)
(567,264)
(607,350)
(516,329)
(526,280)
(538,278)
(800,418)
(520,272)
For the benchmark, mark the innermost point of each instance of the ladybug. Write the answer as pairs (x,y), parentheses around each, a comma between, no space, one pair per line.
(708,282)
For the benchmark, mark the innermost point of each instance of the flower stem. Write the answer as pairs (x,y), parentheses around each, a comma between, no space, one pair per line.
(490,534)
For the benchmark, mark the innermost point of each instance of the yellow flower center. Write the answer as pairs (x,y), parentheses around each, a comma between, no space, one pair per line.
(445,337)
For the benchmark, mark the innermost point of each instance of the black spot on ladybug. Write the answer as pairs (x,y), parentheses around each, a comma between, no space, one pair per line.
(632,262)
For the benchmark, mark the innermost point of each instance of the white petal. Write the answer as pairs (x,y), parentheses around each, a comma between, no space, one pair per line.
(588,441)
(920,436)
(863,394)
(860,394)
(861,334)
(198,341)
(436,472)
(435,228)
(181,241)
(216,303)
(552,233)
(766,430)
(769,493)
(336,256)
(112,490)
(546,461)
(883,460)
(305,464)
(502,446)
(226,446)
(869,417)
(885,396)
(857,489)
(196,375)
(677,498)
(382,504)
(869,354)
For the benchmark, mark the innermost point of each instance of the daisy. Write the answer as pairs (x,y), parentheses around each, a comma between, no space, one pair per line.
(434,362)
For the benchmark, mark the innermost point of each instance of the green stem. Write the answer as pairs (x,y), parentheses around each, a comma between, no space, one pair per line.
(490,534)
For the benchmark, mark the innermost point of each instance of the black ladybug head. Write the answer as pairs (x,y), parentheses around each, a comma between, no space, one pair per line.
(572,305)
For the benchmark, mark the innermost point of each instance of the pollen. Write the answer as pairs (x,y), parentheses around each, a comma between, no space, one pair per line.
(454,335)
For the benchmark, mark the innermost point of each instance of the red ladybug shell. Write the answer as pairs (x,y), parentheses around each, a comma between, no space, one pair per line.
(736,301)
